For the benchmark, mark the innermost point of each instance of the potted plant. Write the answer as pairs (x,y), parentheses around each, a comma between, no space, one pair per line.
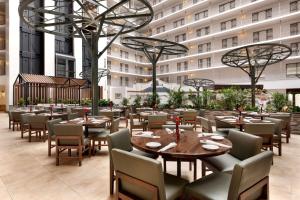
(278,101)
(21,102)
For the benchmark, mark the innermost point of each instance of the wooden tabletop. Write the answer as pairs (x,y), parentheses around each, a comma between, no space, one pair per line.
(189,146)
(92,121)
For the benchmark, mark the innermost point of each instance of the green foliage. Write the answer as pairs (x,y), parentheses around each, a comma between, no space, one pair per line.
(149,100)
(103,102)
(125,101)
(206,96)
(176,98)
(296,109)
(137,101)
(234,96)
(279,101)
(195,99)
(21,102)
(214,105)
(249,107)
(50,100)
(86,102)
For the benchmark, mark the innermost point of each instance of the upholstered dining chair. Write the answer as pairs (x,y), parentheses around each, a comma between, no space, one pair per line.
(24,125)
(73,116)
(136,124)
(244,146)
(249,180)
(224,127)
(133,183)
(207,127)
(37,126)
(190,117)
(156,121)
(70,137)
(16,119)
(264,130)
(286,126)
(101,137)
(121,140)
(278,125)
(10,119)
(51,134)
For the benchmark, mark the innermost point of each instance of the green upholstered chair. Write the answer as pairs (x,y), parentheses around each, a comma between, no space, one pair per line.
(243,146)
(10,119)
(24,125)
(249,180)
(143,178)
(207,127)
(70,137)
(37,126)
(136,124)
(16,118)
(121,140)
(190,117)
(73,115)
(101,137)
(286,129)
(224,127)
(278,123)
(156,121)
(264,130)
(51,134)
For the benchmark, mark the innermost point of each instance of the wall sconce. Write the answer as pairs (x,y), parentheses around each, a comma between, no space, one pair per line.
(2,93)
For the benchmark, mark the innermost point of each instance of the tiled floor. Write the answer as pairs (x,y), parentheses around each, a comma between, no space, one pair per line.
(26,172)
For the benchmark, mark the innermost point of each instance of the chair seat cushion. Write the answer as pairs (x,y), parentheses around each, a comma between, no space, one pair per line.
(225,130)
(96,130)
(174,186)
(142,153)
(223,163)
(214,186)
(100,135)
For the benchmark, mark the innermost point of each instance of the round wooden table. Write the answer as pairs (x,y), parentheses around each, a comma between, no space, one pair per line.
(188,148)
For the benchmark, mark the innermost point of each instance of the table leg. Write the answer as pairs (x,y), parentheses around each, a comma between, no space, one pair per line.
(178,168)
(241,127)
(86,132)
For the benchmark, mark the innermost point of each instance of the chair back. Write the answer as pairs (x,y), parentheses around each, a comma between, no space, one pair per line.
(189,116)
(72,116)
(286,117)
(248,173)
(156,121)
(278,125)
(244,145)
(264,130)
(184,127)
(16,115)
(114,127)
(37,121)
(68,134)
(50,125)
(24,118)
(206,125)
(108,114)
(141,179)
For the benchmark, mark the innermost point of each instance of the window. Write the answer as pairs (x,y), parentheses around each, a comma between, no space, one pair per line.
(2,67)
(186,65)
(226,6)
(126,67)
(203,31)
(160,29)
(118,96)
(121,81)
(177,7)
(109,51)
(179,80)
(178,67)
(201,15)
(167,68)
(204,62)
(262,15)
(295,48)
(230,42)
(180,38)
(208,61)
(65,66)
(158,15)
(178,23)
(185,77)
(263,35)
(294,5)
(108,79)
(204,47)
(126,81)
(294,28)
(108,64)
(292,69)
(200,63)
(228,24)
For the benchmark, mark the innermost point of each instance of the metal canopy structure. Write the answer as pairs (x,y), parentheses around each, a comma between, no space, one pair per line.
(89,20)
(253,59)
(35,88)
(199,83)
(154,49)
(87,74)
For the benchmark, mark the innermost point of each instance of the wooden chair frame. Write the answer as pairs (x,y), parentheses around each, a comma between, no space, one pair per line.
(134,181)
(80,148)
(37,131)
(264,183)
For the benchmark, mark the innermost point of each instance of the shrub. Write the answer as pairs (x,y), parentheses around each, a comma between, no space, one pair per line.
(278,101)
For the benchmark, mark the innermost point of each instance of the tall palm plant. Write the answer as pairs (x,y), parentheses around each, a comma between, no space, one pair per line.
(176,98)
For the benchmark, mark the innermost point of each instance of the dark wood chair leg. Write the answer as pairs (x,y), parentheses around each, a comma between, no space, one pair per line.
(165,165)
(195,170)
(203,169)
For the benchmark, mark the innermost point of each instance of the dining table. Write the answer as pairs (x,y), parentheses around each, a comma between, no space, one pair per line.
(91,121)
(260,115)
(188,148)
(54,114)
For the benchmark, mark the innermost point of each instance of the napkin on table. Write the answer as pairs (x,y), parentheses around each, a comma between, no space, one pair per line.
(169,146)
(218,144)
(169,131)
